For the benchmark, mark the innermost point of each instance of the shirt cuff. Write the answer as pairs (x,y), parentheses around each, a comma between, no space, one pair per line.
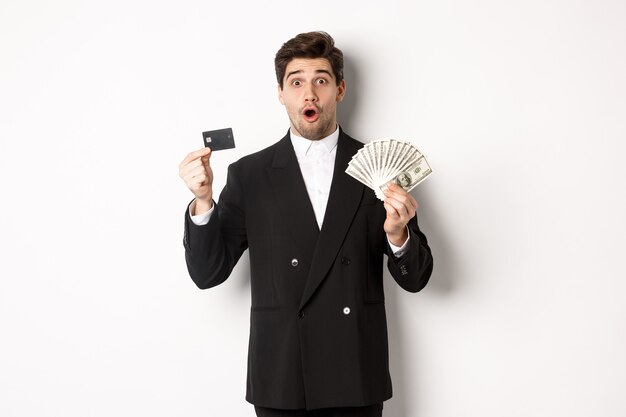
(200,219)
(398,251)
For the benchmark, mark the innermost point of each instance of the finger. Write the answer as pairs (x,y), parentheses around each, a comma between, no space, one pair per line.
(193,176)
(399,206)
(394,186)
(397,190)
(405,209)
(410,202)
(402,191)
(206,164)
(402,196)
(192,165)
(196,182)
(392,213)
(205,158)
(390,193)
(195,155)
(197,172)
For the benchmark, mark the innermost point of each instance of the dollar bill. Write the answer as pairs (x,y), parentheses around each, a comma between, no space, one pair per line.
(357,173)
(383,161)
(410,177)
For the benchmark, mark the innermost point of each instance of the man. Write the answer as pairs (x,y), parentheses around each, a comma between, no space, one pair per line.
(316,236)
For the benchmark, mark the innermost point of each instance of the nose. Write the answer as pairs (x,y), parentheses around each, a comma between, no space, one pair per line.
(309,94)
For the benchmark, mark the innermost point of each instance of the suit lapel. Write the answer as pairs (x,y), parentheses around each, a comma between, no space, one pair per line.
(292,198)
(343,202)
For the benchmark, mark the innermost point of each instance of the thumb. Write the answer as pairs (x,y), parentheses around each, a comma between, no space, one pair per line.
(205,159)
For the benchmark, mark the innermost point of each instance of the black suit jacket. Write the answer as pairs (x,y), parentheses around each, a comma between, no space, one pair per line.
(318,331)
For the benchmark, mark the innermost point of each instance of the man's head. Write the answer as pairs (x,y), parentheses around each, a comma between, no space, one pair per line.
(309,70)
(309,45)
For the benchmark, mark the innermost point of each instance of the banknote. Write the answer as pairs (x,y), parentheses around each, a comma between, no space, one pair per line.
(390,160)
(410,177)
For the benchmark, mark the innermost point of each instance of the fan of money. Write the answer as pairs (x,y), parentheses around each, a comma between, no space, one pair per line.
(383,161)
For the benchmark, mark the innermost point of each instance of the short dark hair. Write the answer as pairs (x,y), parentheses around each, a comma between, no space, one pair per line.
(309,45)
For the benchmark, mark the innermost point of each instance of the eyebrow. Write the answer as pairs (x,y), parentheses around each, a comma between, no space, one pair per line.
(319,71)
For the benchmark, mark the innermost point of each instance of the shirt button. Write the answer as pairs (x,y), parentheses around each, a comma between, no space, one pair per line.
(294,262)
(345,261)
(346,310)
(301,314)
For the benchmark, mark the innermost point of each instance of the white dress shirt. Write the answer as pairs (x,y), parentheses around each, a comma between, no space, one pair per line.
(317,162)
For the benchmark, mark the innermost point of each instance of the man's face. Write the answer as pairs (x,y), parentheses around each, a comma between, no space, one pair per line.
(310,94)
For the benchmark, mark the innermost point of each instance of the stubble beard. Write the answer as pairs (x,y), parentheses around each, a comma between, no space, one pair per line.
(312,131)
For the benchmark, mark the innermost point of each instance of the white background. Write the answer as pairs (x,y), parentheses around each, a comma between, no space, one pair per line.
(519,106)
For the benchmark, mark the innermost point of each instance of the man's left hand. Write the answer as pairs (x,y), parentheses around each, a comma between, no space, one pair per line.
(400,207)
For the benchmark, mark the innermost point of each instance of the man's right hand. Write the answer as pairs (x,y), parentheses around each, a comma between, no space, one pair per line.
(196,171)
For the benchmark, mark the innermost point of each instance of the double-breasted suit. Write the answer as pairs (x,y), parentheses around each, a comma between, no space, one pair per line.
(318,331)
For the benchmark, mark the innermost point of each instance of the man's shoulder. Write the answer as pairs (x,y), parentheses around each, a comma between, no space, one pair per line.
(261,157)
(350,141)
(263,154)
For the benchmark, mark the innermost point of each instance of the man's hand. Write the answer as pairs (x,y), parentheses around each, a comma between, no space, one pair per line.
(196,171)
(400,207)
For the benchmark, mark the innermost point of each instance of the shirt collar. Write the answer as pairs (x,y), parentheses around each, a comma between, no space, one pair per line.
(302,145)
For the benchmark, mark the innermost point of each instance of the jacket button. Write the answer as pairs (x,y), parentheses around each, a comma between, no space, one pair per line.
(301,314)
(345,261)
(346,310)
(294,262)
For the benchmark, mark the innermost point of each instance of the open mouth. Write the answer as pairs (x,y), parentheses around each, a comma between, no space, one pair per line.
(310,114)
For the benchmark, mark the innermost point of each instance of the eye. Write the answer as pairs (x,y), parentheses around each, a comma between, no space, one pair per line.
(321,81)
(296,83)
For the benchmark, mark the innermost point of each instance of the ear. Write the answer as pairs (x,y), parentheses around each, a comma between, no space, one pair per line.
(280,95)
(341,90)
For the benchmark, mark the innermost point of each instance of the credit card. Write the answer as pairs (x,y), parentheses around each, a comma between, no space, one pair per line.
(219,139)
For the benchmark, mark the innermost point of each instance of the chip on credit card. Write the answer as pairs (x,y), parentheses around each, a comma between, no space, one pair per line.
(219,139)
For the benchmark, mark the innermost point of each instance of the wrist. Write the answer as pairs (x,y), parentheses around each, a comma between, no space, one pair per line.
(202,206)
(398,239)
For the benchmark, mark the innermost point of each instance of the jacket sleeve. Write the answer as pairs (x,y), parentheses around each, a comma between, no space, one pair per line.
(413,269)
(212,250)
